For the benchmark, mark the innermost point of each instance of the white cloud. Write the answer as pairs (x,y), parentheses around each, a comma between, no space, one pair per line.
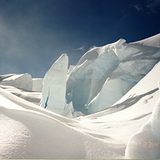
(80,48)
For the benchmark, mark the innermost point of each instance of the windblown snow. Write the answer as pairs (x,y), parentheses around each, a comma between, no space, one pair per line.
(105,107)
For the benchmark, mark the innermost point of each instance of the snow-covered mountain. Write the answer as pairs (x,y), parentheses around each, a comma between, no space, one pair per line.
(117,85)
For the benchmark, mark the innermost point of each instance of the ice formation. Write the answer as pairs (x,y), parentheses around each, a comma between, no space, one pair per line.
(131,124)
(104,74)
(54,86)
(37,85)
(22,81)
(119,83)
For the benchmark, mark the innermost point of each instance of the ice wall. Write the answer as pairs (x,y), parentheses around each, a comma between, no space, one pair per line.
(104,74)
(54,86)
(122,79)
(88,77)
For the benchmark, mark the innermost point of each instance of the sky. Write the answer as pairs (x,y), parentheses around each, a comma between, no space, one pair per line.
(34,33)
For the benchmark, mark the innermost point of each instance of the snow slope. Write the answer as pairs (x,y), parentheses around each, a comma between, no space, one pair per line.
(30,131)
(22,81)
(145,143)
(26,124)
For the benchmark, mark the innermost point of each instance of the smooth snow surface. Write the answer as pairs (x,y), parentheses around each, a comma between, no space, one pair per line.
(32,132)
(127,129)
(145,144)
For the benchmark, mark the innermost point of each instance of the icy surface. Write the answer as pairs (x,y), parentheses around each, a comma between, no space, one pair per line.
(128,129)
(54,86)
(22,81)
(105,74)
(119,83)
(37,84)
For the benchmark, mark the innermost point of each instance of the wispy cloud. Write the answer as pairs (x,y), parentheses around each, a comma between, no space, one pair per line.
(154,6)
(80,48)
(26,44)
(150,6)
(138,7)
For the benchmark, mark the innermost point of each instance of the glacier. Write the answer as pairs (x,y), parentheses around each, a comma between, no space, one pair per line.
(101,77)
(54,86)
(105,74)
(121,98)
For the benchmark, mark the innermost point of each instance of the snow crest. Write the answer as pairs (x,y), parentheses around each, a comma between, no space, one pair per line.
(145,144)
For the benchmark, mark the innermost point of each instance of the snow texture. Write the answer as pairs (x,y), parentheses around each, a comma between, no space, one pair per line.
(22,81)
(128,129)
(145,144)
(28,131)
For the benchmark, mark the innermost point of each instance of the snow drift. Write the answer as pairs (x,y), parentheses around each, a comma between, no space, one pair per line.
(145,144)
(22,81)
(28,131)
(126,88)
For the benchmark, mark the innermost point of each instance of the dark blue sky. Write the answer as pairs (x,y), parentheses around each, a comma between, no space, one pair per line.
(34,33)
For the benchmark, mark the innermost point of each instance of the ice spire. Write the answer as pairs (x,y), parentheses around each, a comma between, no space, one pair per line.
(54,86)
